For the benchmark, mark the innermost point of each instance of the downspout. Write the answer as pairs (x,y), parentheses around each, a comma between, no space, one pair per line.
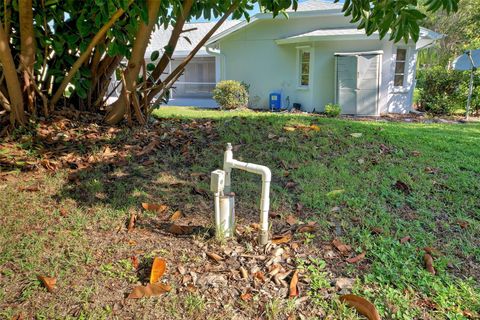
(217,53)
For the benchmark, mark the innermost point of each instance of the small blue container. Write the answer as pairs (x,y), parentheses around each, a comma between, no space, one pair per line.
(275,101)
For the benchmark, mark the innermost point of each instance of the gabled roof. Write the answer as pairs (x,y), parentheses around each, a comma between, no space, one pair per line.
(161,36)
(309,8)
(346,34)
(326,34)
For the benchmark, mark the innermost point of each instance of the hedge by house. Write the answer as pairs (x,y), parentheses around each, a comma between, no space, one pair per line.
(231,94)
(443,92)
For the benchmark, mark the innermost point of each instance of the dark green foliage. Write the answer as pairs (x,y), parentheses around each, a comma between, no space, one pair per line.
(442,91)
(399,18)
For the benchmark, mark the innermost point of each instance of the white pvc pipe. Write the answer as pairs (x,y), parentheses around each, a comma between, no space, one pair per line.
(217,208)
(228,164)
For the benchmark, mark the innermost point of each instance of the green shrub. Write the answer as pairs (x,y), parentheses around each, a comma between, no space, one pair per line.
(442,91)
(333,110)
(231,94)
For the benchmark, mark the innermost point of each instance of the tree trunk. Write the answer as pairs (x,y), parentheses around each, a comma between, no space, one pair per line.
(85,55)
(118,108)
(27,54)
(103,80)
(97,55)
(17,113)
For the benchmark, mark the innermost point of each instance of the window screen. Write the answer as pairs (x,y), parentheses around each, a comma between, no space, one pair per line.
(400,64)
(304,68)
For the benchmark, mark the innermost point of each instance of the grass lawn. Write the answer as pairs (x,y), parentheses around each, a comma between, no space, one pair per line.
(368,184)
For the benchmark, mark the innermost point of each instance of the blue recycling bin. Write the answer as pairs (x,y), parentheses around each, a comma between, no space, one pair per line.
(275,101)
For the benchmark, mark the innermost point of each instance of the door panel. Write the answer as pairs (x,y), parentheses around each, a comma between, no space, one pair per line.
(367,85)
(357,84)
(347,83)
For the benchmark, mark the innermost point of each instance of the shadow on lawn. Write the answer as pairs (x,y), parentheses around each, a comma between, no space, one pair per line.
(144,165)
(171,159)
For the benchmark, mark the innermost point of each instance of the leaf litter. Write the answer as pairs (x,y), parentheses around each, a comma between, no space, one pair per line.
(275,269)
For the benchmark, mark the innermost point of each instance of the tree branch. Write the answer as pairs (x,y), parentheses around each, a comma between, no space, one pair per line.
(58,94)
(17,113)
(190,56)
(172,42)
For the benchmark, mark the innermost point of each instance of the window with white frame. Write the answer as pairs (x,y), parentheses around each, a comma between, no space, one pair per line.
(400,67)
(304,67)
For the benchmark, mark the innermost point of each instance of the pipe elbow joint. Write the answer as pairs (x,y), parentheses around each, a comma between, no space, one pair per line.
(266,174)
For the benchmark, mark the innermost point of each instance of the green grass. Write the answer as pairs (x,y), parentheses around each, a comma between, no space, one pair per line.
(330,174)
(70,230)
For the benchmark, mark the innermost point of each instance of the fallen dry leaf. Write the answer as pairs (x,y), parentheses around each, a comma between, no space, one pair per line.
(463,224)
(160,208)
(181,230)
(131,222)
(135,262)
(191,288)
(298,207)
(274,270)
(260,276)
(148,148)
(356,134)
(202,192)
(273,214)
(431,251)
(363,306)
(427,258)
(150,290)
(176,215)
(416,153)
(29,189)
(343,248)
(402,186)
(159,266)
(18,316)
(290,185)
(293,285)
(48,282)
(309,227)
(289,129)
(291,220)
(357,258)
(405,239)
(214,256)
(376,230)
(282,239)
(246,296)
(244,273)
(314,127)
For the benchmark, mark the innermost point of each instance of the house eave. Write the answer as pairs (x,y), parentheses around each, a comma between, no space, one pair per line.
(324,38)
(264,16)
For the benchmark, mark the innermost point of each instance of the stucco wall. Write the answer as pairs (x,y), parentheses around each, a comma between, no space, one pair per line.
(252,55)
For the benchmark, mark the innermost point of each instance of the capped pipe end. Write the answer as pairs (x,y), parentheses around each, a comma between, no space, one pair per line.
(263,237)
(229,146)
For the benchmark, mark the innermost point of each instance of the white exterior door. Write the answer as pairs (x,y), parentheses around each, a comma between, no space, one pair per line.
(367,85)
(347,84)
(358,84)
